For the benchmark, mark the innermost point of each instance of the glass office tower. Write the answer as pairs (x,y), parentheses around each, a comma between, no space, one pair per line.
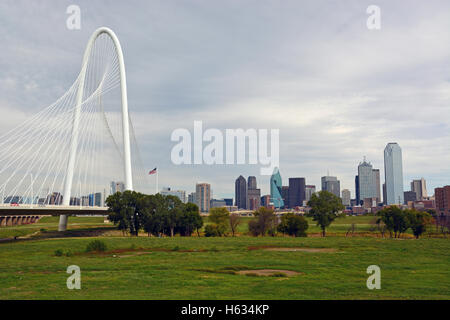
(393,173)
(275,189)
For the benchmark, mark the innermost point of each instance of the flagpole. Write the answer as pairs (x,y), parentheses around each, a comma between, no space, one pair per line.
(157,172)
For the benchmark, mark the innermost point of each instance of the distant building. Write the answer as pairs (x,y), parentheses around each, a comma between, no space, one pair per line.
(215,203)
(253,194)
(309,191)
(228,202)
(180,194)
(376,174)
(358,200)
(370,202)
(366,181)
(203,196)
(442,200)
(98,199)
(331,184)
(409,196)
(55,198)
(116,186)
(74,201)
(251,182)
(265,200)
(192,197)
(420,188)
(285,196)
(275,189)
(384,194)
(296,192)
(240,190)
(346,196)
(393,170)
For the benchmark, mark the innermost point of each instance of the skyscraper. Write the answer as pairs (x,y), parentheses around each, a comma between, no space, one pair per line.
(346,196)
(420,188)
(253,194)
(442,196)
(296,192)
(393,173)
(358,200)
(285,196)
(331,184)
(275,189)
(203,196)
(240,190)
(251,182)
(309,190)
(366,181)
(376,173)
(192,197)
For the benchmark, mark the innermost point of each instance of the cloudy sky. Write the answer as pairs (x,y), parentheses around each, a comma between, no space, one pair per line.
(336,90)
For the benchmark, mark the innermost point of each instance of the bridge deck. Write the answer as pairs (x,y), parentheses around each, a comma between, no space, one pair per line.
(51,210)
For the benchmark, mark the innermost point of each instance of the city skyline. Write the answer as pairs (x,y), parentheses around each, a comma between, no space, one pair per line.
(336,115)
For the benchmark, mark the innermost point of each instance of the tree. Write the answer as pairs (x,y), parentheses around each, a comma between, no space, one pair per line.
(235,221)
(395,220)
(126,211)
(264,222)
(219,218)
(189,220)
(418,221)
(325,207)
(174,208)
(293,225)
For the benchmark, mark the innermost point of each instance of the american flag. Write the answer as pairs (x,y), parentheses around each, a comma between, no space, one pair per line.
(152,171)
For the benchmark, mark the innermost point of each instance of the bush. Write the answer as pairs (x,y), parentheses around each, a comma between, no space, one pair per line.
(69,253)
(293,225)
(58,253)
(96,246)
(212,230)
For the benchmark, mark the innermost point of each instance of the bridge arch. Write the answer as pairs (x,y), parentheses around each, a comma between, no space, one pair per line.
(76,119)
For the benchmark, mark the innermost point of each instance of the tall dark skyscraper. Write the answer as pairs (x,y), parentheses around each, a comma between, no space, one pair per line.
(296,192)
(240,189)
(357,197)
(285,196)
(251,182)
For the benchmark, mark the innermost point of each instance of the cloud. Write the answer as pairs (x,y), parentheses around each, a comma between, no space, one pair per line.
(336,90)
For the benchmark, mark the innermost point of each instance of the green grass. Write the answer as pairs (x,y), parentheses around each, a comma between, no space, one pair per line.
(49,224)
(204,268)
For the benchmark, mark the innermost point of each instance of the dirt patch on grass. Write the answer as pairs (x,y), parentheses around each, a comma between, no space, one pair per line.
(269,273)
(293,249)
(139,253)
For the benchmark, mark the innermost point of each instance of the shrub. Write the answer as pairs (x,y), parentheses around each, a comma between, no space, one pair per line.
(293,225)
(58,253)
(69,253)
(96,246)
(212,230)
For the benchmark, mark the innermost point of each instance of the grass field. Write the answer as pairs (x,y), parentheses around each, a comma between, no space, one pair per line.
(206,268)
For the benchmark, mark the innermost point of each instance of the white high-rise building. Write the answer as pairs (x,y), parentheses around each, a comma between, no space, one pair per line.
(346,197)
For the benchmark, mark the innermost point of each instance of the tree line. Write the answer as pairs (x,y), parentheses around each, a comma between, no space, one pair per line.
(155,214)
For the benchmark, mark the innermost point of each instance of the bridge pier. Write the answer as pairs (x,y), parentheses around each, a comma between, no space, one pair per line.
(62,226)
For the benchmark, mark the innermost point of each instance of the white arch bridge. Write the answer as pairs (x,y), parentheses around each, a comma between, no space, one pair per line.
(69,156)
